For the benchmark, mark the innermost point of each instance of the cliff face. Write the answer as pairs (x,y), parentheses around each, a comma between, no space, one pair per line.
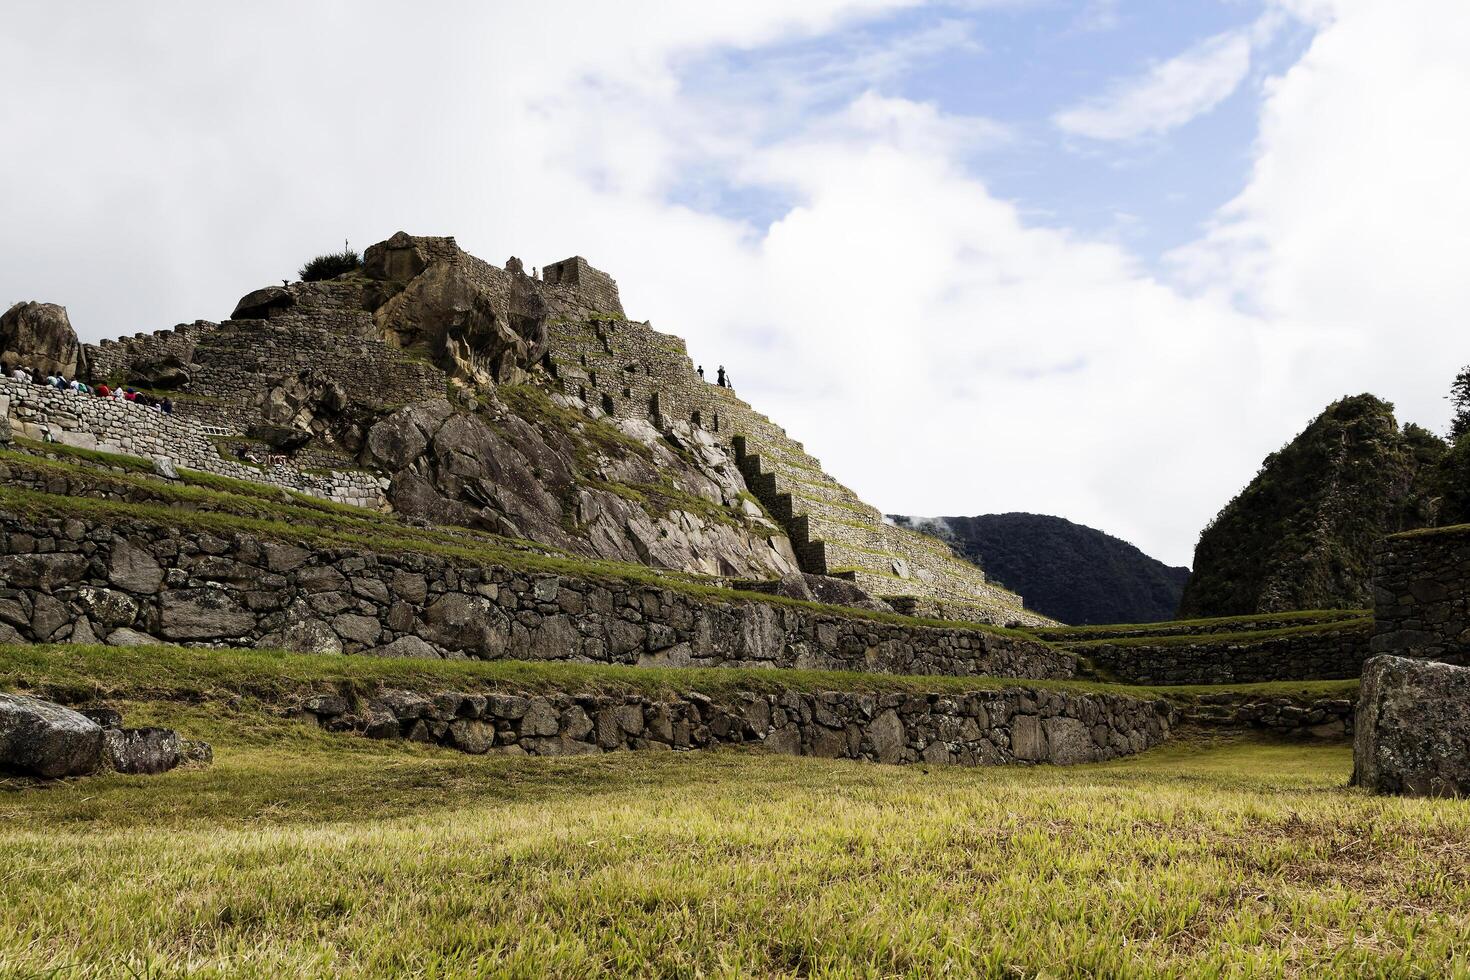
(1301,534)
(1070,572)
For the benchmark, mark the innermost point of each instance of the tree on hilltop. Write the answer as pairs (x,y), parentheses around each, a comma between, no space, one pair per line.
(1460,401)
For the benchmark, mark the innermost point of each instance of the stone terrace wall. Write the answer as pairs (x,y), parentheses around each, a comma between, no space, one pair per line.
(128,582)
(237,363)
(1328,654)
(1299,717)
(1421,595)
(90,422)
(1014,725)
(116,359)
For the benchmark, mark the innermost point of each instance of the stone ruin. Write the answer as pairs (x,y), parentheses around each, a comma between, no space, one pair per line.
(287,389)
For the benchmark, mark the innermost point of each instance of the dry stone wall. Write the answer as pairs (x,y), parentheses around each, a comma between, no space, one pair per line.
(1421,595)
(111,425)
(1333,653)
(115,360)
(132,582)
(1013,725)
(1291,716)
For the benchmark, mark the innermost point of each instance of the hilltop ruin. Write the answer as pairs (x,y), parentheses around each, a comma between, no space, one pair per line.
(437,385)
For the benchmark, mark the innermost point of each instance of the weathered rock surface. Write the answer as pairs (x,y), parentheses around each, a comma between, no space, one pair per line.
(38,738)
(39,336)
(476,322)
(1413,728)
(144,751)
(550,480)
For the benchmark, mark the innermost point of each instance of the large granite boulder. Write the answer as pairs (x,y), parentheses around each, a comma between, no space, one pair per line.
(38,738)
(39,336)
(1413,728)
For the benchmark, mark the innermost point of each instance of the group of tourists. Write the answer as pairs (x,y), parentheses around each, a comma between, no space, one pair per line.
(120,393)
(721,378)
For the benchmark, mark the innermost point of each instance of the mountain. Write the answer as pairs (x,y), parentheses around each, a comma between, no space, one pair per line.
(1068,571)
(1301,534)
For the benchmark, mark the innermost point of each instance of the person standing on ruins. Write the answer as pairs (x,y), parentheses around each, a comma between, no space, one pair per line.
(720,377)
(700,371)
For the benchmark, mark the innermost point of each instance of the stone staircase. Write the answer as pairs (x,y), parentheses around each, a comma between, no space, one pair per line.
(627,369)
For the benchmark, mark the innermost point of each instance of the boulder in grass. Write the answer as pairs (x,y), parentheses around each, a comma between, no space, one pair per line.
(1412,733)
(38,738)
(142,751)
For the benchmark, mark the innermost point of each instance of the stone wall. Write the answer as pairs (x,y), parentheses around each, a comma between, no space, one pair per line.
(1331,653)
(114,360)
(1421,595)
(131,582)
(1013,725)
(590,287)
(1292,716)
(89,422)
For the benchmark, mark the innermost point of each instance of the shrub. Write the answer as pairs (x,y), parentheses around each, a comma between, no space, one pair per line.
(331,266)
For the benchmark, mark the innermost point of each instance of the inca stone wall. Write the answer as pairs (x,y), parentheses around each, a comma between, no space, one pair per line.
(130,582)
(1293,716)
(592,287)
(114,360)
(89,422)
(1013,725)
(1332,653)
(1421,595)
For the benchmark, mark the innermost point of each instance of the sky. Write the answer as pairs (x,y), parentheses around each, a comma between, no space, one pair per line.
(1092,258)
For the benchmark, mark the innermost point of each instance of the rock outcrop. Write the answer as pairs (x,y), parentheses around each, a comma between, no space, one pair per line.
(39,337)
(478,323)
(586,486)
(1413,728)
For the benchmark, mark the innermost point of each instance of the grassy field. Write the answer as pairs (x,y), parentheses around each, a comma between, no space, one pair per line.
(303,853)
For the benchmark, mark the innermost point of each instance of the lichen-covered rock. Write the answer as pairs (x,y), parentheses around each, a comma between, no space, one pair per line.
(1413,728)
(142,751)
(39,336)
(38,738)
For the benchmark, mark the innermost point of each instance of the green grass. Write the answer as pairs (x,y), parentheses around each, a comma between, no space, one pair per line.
(307,854)
(1199,625)
(1451,530)
(76,672)
(1252,636)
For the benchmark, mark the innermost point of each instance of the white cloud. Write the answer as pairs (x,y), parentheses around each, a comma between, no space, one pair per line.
(1169,95)
(1353,229)
(938,350)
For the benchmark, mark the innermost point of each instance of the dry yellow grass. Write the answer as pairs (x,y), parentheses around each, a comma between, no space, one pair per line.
(308,854)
